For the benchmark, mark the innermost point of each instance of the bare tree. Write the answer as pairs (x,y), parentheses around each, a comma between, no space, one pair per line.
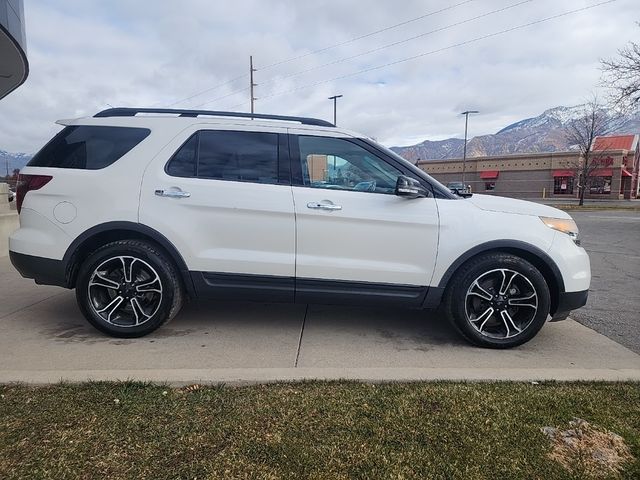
(622,74)
(594,121)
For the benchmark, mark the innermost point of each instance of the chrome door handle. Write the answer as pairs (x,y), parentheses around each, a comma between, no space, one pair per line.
(324,206)
(172,193)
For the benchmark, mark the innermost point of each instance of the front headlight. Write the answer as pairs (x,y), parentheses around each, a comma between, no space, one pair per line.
(564,225)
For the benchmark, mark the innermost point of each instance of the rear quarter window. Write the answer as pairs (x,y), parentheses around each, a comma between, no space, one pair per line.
(88,147)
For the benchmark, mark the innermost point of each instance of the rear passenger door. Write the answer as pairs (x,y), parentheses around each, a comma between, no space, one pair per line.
(223,198)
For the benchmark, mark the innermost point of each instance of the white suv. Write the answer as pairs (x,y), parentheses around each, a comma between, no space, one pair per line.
(138,209)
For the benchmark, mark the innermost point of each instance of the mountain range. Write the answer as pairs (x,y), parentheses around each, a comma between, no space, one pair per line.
(544,133)
(10,161)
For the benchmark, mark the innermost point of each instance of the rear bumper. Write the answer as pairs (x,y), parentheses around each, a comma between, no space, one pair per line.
(45,271)
(568,301)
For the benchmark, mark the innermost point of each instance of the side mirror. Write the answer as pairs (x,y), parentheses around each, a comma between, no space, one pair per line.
(410,188)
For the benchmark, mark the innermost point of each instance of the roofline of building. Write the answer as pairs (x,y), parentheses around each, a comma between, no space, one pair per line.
(634,142)
(516,156)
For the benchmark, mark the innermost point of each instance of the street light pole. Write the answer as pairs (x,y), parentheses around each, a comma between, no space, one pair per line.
(464,155)
(335,99)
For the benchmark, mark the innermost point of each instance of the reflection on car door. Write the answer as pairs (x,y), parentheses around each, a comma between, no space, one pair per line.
(352,228)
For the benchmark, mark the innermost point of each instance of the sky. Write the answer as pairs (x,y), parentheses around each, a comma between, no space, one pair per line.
(88,55)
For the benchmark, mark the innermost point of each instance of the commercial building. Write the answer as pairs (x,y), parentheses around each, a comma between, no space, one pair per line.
(547,175)
(14,66)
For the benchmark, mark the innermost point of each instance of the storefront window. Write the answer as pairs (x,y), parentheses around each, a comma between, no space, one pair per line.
(600,185)
(490,185)
(563,185)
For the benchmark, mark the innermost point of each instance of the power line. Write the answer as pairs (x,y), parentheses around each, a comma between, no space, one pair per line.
(235,92)
(206,90)
(383,47)
(424,54)
(324,49)
(232,107)
(399,42)
(366,35)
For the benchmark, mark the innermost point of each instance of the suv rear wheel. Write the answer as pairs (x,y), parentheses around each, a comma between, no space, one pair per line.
(128,288)
(498,300)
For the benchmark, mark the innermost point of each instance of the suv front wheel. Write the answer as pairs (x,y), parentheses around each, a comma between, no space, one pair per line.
(128,288)
(498,300)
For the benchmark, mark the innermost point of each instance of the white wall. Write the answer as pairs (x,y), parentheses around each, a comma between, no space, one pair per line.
(8,220)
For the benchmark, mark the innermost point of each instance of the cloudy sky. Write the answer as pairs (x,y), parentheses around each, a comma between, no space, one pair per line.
(87,55)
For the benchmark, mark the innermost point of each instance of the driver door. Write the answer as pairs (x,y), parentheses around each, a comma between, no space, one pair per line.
(353,234)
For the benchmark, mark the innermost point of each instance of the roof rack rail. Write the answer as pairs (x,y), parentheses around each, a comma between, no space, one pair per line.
(131,112)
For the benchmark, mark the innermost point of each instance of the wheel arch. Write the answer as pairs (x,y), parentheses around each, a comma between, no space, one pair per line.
(108,232)
(534,255)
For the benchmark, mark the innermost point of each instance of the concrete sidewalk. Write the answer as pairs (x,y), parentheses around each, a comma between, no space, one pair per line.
(45,339)
(590,203)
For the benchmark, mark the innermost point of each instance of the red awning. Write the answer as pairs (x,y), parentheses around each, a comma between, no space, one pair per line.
(489,174)
(625,173)
(602,172)
(564,173)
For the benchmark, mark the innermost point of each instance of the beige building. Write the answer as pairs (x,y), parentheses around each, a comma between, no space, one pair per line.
(546,175)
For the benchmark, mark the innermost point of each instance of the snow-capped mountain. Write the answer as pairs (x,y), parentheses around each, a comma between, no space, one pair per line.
(12,161)
(544,133)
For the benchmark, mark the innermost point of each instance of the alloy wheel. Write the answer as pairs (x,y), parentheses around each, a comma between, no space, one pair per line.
(501,303)
(125,291)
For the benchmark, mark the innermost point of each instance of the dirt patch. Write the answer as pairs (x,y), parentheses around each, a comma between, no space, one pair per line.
(190,388)
(588,450)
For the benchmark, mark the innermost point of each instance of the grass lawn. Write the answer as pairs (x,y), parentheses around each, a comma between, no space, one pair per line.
(304,430)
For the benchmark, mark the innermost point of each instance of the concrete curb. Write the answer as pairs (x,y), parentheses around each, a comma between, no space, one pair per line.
(8,224)
(596,209)
(247,376)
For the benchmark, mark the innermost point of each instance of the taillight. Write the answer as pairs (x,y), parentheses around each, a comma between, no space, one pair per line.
(26,183)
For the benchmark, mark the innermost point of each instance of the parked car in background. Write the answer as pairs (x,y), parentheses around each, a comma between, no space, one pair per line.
(140,209)
(459,188)
(12,195)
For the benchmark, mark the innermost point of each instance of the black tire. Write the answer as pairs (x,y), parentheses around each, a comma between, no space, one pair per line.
(462,302)
(140,311)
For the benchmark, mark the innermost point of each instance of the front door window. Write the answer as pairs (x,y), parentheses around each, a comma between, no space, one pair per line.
(338,164)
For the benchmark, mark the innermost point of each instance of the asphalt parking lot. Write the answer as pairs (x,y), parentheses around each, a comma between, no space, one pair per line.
(612,238)
(45,339)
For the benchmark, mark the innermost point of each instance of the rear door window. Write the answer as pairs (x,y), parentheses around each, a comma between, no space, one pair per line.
(228,155)
(239,156)
(88,147)
(183,162)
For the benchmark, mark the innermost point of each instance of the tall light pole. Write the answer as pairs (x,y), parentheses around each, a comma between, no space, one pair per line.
(464,155)
(335,100)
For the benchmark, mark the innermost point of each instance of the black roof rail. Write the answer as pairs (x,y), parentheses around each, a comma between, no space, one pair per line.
(131,112)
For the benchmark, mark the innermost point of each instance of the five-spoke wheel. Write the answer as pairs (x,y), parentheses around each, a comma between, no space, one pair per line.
(501,303)
(128,288)
(498,300)
(125,291)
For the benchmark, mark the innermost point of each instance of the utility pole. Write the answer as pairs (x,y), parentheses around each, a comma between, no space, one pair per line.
(464,155)
(335,100)
(251,84)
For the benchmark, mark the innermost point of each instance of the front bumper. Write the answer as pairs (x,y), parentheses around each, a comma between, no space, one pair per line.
(45,271)
(568,301)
